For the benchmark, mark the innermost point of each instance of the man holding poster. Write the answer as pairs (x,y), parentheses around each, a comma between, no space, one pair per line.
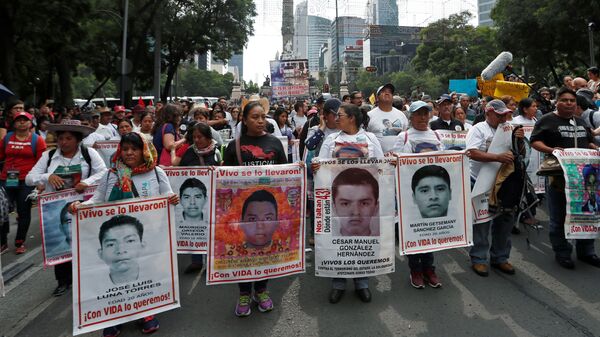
(479,139)
(556,131)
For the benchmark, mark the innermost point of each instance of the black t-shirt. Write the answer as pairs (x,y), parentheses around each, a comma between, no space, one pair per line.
(555,131)
(263,150)
(439,124)
(190,158)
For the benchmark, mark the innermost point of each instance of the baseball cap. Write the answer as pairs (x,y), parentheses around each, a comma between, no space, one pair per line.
(498,107)
(332,104)
(119,108)
(311,112)
(23,114)
(387,85)
(416,105)
(443,98)
(588,96)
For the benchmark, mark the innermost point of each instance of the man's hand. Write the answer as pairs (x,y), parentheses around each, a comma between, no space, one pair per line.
(56,181)
(80,187)
(505,157)
(520,133)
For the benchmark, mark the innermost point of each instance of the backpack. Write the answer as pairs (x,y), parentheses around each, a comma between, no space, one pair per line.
(34,140)
(84,152)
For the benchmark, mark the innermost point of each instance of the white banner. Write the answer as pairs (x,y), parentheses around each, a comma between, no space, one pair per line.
(354,217)
(487,175)
(56,223)
(581,170)
(194,186)
(453,140)
(535,159)
(124,263)
(434,201)
(106,149)
(257,229)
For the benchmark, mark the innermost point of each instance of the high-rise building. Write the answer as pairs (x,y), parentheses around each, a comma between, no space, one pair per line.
(318,33)
(390,48)
(382,12)
(350,29)
(301,36)
(237,60)
(484,10)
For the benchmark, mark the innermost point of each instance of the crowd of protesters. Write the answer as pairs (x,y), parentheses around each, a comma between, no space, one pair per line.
(37,143)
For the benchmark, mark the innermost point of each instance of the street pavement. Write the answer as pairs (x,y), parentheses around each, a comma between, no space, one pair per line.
(542,299)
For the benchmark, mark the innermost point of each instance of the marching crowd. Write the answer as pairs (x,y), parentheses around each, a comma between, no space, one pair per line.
(52,148)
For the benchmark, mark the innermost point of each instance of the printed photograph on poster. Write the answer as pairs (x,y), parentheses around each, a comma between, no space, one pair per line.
(192,214)
(56,223)
(452,140)
(258,227)
(535,159)
(106,149)
(581,169)
(124,261)
(354,217)
(434,199)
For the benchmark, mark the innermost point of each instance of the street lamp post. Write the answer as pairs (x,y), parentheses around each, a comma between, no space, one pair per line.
(124,52)
(591,27)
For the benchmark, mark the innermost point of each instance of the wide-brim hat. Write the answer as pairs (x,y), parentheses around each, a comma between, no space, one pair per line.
(71,125)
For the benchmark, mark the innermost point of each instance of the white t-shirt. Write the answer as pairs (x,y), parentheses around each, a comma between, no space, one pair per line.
(479,137)
(342,145)
(386,126)
(415,141)
(299,121)
(520,120)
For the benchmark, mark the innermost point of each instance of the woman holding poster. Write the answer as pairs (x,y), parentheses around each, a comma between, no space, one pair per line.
(134,174)
(202,152)
(352,141)
(429,183)
(253,147)
(69,166)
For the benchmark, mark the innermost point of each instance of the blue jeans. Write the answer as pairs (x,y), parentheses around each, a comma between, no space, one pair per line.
(500,249)
(359,283)
(557,209)
(420,262)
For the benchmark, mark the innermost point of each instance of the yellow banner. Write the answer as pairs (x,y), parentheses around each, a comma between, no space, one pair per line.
(487,88)
(517,90)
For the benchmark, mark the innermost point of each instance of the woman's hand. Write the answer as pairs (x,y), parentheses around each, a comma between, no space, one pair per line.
(73,207)
(41,188)
(315,167)
(56,181)
(80,187)
(173,199)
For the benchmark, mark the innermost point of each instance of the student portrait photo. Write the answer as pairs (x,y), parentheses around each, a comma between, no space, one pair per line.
(431,191)
(355,203)
(192,196)
(591,202)
(259,219)
(121,245)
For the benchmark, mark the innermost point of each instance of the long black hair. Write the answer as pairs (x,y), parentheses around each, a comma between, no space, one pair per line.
(353,111)
(246,112)
(167,115)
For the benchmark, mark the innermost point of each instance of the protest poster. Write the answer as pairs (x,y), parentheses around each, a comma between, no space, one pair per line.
(535,159)
(192,214)
(354,217)
(284,142)
(124,262)
(295,150)
(487,175)
(517,90)
(464,86)
(487,88)
(453,140)
(56,223)
(289,78)
(581,170)
(434,201)
(106,149)
(257,229)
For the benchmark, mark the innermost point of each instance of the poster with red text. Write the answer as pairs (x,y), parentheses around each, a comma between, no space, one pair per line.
(106,149)
(124,262)
(257,230)
(434,201)
(192,214)
(56,223)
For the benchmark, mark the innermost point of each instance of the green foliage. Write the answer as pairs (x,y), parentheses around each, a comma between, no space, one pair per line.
(251,87)
(85,82)
(451,48)
(551,35)
(195,82)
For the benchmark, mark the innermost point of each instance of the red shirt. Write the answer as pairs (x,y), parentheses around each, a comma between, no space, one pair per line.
(19,155)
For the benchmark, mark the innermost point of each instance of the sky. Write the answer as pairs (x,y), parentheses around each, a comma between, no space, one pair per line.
(266,42)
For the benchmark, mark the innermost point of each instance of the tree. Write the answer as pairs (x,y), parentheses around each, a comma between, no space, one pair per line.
(251,87)
(552,37)
(198,26)
(196,82)
(451,48)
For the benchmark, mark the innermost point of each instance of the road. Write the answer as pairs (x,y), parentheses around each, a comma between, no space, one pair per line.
(542,299)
